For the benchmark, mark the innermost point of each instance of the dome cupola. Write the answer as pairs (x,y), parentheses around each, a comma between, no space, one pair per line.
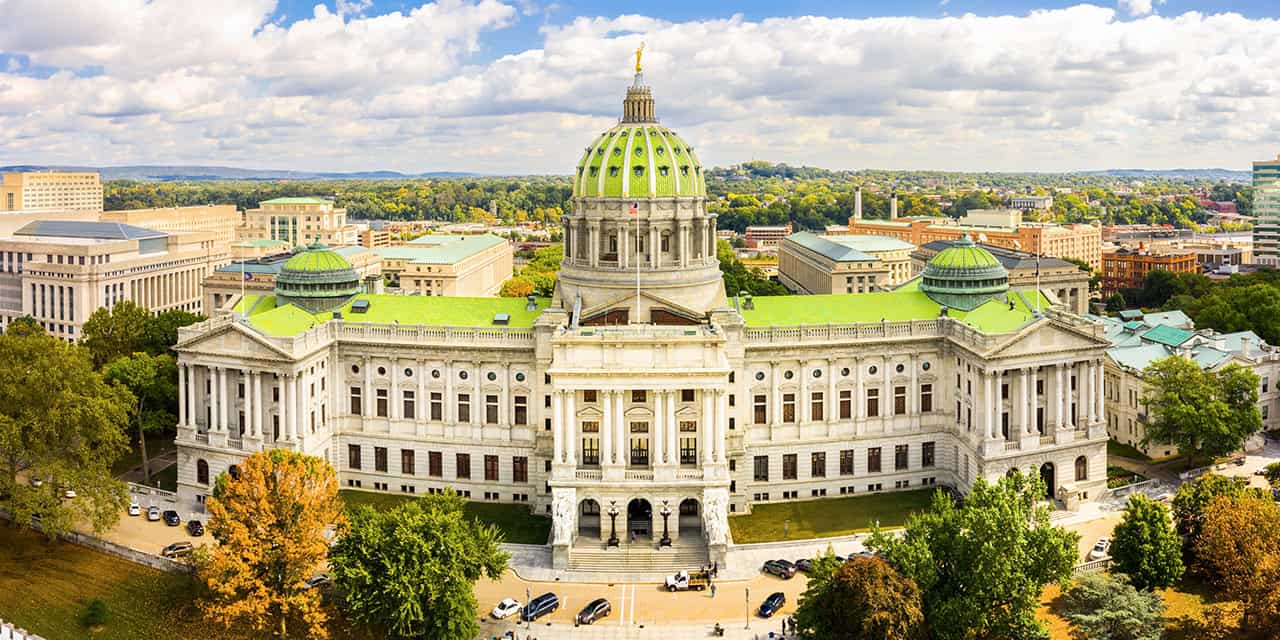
(317,279)
(964,276)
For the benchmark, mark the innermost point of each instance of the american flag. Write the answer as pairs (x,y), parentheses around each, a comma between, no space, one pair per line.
(635,208)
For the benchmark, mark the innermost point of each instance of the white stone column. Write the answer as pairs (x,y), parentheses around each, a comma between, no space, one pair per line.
(913,397)
(449,411)
(1059,417)
(421,403)
(394,394)
(684,245)
(802,400)
(831,403)
(182,395)
(1099,396)
(477,402)
(557,425)
(722,425)
(706,425)
(1089,391)
(249,405)
(257,403)
(989,404)
(859,403)
(368,393)
(222,399)
(593,238)
(571,428)
(1022,401)
(621,448)
(606,427)
(659,427)
(302,424)
(504,398)
(776,383)
(1035,401)
(673,431)
(286,409)
(624,251)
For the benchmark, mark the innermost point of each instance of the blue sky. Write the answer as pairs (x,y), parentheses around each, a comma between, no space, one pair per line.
(519,86)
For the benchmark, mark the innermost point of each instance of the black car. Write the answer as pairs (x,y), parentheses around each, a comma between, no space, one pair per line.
(780,568)
(540,606)
(804,565)
(195,528)
(171,518)
(771,604)
(597,609)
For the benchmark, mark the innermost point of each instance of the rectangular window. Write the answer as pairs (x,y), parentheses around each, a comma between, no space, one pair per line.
(926,398)
(899,401)
(762,468)
(435,464)
(590,450)
(589,396)
(437,406)
(686,395)
(381,395)
(688,451)
(815,406)
(789,466)
(1266,383)
(639,449)
(410,406)
(353,456)
(406,462)
(846,462)
(926,454)
(464,407)
(380,459)
(760,409)
(519,469)
(846,404)
(491,468)
(900,457)
(491,409)
(818,464)
(638,396)
(788,407)
(521,412)
(873,403)
(873,460)
(463,460)
(355,401)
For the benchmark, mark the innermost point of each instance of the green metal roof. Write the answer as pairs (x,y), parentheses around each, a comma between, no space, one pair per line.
(1131,314)
(297,200)
(316,259)
(964,276)
(993,317)
(639,160)
(440,249)
(1166,335)
(964,254)
(436,311)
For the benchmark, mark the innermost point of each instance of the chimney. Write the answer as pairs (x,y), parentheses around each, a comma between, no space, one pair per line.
(893,206)
(857,204)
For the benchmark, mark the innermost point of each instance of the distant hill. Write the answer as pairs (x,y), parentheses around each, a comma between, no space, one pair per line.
(171,173)
(1218,175)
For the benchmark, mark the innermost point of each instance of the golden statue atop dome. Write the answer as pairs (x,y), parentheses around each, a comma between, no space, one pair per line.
(639,52)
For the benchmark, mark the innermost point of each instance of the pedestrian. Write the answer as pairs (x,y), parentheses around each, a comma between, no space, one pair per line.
(713,589)
(633,536)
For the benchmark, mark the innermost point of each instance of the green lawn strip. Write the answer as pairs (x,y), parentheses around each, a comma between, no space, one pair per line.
(1126,451)
(1119,477)
(826,518)
(514,520)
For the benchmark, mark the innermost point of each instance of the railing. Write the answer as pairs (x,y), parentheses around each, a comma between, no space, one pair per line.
(586,474)
(1093,566)
(637,475)
(638,331)
(202,437)
(935,327)
(1013,445)
(1046,440)
(688,474)
(381,333)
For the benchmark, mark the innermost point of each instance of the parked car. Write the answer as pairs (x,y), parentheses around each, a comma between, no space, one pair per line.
(540,606)
(780,568)
(135,509)
(318,581)
(1100,549)
(171,518)
(594,610)
(195,528)
(505,609)
(685,581)
(804,565)
(68,492)
(771,604)
(176,550)
(153,513)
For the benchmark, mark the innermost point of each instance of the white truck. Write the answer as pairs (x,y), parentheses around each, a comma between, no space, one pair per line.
(684,581)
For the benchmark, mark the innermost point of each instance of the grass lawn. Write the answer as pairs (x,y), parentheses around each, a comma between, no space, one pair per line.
(1119,477)
(514,520)
(1125,451)
(824,518)
(156,444)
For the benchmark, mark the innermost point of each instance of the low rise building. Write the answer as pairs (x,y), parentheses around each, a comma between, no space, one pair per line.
(375,238)
(810,263)
(766,236)
(1128,268)
(449,265)
(1266,211)
(58,272)
(219,220)
(1009,218)
(51,191)
(1066,280)
(1075,241)
(299,221)
(1139,339)
(1040,203)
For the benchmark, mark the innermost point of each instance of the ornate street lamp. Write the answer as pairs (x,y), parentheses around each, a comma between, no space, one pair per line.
(613,523)
(666,535)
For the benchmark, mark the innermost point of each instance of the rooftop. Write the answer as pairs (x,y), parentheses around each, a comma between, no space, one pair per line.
(435,311)
(440,249)
(846,248)
(908,303)
(1009,258)
(1139,339)
(87,230)
(297,200)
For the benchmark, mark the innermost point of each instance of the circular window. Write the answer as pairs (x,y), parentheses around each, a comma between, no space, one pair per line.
(817,373)
(355,368)
(382,371)
(899,368)
(408,373)
(639,152)
(462,374)
(872,370)
(519,377)
(435,373)
(492,376)
(759,375)
(844,372)
(925,366)
(660,151)
(788,375)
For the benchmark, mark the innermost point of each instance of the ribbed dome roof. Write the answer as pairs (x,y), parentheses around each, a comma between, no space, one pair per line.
(964,276)
(317,279)
(316,258)
(964,254)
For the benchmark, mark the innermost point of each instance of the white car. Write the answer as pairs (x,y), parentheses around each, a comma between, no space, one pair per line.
(69,493)
(153,513)
(505,608)
(135,509)
(1100,550)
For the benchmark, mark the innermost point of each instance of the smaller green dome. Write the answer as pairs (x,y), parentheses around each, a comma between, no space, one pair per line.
(317,279)
(316,258)
(964,276)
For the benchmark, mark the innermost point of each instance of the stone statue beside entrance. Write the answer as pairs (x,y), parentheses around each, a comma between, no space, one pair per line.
(562,517)
(715,516)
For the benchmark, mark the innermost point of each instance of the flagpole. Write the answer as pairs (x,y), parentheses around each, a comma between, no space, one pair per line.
(242,300)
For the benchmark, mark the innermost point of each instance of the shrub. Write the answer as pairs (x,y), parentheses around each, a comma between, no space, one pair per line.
(95,613)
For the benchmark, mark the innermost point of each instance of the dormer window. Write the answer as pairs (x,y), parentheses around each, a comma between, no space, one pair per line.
(639,151)
(595,171)
(664,170)
(613,172)
(684,170)
(599,151)
(639,171)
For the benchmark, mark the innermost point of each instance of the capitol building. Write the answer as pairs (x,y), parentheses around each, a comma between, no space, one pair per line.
(642,392)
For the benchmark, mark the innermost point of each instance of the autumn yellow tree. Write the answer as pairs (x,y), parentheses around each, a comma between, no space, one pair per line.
(1239,548)
(270,519)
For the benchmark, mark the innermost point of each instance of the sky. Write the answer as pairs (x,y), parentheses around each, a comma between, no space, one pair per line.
(522,86)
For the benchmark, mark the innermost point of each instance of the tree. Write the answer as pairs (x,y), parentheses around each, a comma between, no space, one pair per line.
(153,382)
(1144,545)
(1239,549)
(1101,607)
(1115,303)
(1204,413)
(516,287)
(162,330)
(115,332)
(60,424)
(738,278)
(410,572)
(864,599)
(982,566)
(1192,498)
(269,519)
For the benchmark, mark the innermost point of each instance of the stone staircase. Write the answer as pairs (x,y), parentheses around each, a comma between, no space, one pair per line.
(638,558)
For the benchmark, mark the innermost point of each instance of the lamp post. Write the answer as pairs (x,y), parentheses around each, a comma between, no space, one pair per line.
(666,534)
(748,601)
(613,523)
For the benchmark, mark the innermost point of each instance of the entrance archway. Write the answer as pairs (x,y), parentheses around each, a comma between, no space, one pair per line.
(1047,475)
(589,518)
(640,517)
(690,518)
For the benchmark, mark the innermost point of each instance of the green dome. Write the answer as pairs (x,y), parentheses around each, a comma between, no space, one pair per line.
(964,276)
(639,160)
(317,279)
(316,258)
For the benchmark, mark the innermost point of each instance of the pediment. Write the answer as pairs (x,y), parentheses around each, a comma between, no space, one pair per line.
(638,412)
(686,412)
(589,412)
(234,340)
(1045,338)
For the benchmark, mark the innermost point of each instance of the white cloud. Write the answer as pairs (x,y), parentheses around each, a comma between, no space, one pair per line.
(1052,90)
(1139,8)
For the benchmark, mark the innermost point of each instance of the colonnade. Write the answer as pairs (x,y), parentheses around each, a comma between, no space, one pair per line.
(1025,403)
(661,429)
(689,241)
(294,403)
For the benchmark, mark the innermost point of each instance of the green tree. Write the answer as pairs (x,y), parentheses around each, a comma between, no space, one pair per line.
(162,330)
(738,278)
(1101,607)
(983,565)
(153,382)
(516,287)
(863,599)
(1192,498)
(116,332)
(410,572)
(1115,303)
(1203,413)
(1145,546)
(62,424)
(1239,551)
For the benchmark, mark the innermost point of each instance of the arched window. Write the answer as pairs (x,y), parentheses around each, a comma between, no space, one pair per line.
(202,472)
(1082,469)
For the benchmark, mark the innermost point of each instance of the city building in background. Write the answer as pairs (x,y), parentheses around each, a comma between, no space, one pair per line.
(375,238)
(1127,268)
(761,236)
(448,265)
(1266,211)
(1065,280)
(51,191)
(1076,241)
(60,271)
(299,221)
(1036,203)
(219,220)
(810,263)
